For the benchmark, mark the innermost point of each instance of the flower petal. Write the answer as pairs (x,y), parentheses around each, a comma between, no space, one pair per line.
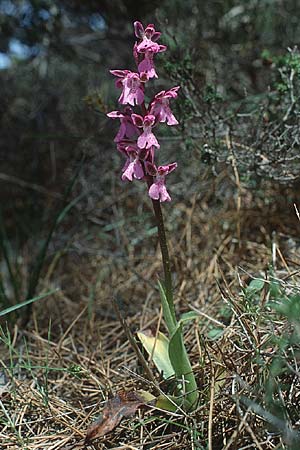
(137,120)
(154,191)
(128,173)
(138,29)
(138,170)
(164,194)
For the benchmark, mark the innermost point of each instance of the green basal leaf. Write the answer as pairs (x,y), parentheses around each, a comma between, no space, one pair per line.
(168,310)
(177,350)
(147,396)
(167,403)
(182,366)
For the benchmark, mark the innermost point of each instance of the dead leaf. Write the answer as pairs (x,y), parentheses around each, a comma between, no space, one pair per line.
(124,404)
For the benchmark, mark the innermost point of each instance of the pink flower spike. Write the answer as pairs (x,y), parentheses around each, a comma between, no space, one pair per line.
(133,89)
(160,106)
(147,138)
(127,129)
(158,190)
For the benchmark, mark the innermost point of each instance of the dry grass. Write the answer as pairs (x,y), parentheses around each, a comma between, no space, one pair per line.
(58,373)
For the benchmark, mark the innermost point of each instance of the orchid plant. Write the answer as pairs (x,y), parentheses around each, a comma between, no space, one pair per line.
(137,142)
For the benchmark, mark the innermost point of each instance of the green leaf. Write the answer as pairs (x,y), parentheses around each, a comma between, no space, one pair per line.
(215,333)
(275,290)
(168,310)
(182,366)
(158,349)
(177,350)
(255,286)
(26,302)
(167,403)
(289,307)
(190,315)
(146,396)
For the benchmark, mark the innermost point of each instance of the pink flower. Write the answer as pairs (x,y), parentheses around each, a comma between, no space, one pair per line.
(127,129)
(147,138)
(133,167)
(158,190)
(132,85)
(160,106)
(147,65)
(148,36)
(148,47)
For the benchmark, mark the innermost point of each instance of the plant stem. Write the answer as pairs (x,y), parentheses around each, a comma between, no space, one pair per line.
(163,247)
(164,252)
(177,350)
(162,238)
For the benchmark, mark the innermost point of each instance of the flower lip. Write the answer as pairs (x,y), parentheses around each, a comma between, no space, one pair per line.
(133,169)
(147,139)
(158,190)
